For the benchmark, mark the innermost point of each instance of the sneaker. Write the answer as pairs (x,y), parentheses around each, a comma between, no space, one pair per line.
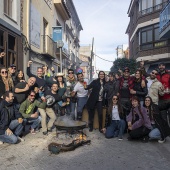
(1,142)
(32,131)
(21,139)
(120,139)
(161,141)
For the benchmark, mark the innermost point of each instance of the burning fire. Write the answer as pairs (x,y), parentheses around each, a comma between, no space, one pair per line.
(81,137)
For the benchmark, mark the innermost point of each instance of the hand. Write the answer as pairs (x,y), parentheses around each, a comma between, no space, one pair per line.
(9,132)
(22,80)
(29,63)
(26,87)
(64,104)
(35,115)
(3,54)
(162,88)
(129,124)
(20,120)
(43,98)
(130,127)
(104,130)
(132,91)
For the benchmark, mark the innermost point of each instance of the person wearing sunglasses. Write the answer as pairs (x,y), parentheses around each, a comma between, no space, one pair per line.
(6,83)
(115,120)
(155,87)
(71,82)
(12,72)
(29,111)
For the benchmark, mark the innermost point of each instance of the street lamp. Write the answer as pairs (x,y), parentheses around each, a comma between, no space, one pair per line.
(60,44)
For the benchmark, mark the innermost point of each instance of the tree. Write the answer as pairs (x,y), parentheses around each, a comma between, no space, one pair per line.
(121,63)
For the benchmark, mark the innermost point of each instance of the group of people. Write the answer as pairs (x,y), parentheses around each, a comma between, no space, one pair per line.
(138,103)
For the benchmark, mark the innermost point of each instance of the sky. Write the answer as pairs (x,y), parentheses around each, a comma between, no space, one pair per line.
(106,21)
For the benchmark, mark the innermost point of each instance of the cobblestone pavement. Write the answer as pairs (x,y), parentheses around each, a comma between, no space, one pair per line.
(108,154)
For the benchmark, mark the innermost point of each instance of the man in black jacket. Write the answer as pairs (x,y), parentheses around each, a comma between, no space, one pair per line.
(10,120)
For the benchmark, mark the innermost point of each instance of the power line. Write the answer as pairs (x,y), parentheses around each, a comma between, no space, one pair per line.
(103,58)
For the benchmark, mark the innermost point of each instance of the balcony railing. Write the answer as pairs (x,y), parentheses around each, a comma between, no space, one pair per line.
(152,9)
(49,46)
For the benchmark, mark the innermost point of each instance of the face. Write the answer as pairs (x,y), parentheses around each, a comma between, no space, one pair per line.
(31,97)
(80,77)
(70,74)
(54,87)
(117,76)
(20,75)
(10,98)
(101,75)
(147,102)
(12,70)
(142,64)
(137,74)
(126,74)
(162,67)
(135,103)
(114,99)
(111,78)
(31,81)
(153,74)
(4,73)
(39,72)
(60,79)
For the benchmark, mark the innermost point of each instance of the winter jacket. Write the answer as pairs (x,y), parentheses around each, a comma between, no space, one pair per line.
(8,112)
(154,91)
(111,88)
(143,121)
(141,92)
(28,108)
(95,85)
(165,80)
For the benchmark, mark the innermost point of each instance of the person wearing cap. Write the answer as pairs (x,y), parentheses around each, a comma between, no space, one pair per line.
(111,88)
(71,82)
(81,94)
(126,84)
(12,72)
(164,101)
(29,110)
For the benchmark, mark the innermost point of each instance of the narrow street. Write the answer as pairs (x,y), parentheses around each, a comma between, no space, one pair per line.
(102,154)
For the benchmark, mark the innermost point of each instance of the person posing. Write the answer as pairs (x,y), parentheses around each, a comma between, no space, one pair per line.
(164,78)
(115,120)
(81,95)
(22,89)
(12,72)
(29,110)
(154,86)
(138,90)
(6,83)
(111,88)
(71,82)
(160,129)
(11,122)
(96,99)
(19,77)
(52,98)
(139,123)
(40,82)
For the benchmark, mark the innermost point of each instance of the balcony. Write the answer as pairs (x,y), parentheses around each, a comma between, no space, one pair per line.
(62,9)
(152,9)
(49,46)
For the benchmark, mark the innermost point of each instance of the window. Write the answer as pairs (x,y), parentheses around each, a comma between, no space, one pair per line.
(10,8)
(45,24)
(149,37)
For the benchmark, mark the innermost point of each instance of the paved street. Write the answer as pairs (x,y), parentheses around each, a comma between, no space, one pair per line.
(102,154)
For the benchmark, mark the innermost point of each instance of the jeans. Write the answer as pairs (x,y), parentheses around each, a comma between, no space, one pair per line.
(115,129)
(71,109)
(16,128)
(155,134)
(35,122)
(81,102)
(126,105)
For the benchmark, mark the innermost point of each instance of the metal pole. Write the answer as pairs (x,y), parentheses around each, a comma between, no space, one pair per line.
(91,59)
(61,66)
